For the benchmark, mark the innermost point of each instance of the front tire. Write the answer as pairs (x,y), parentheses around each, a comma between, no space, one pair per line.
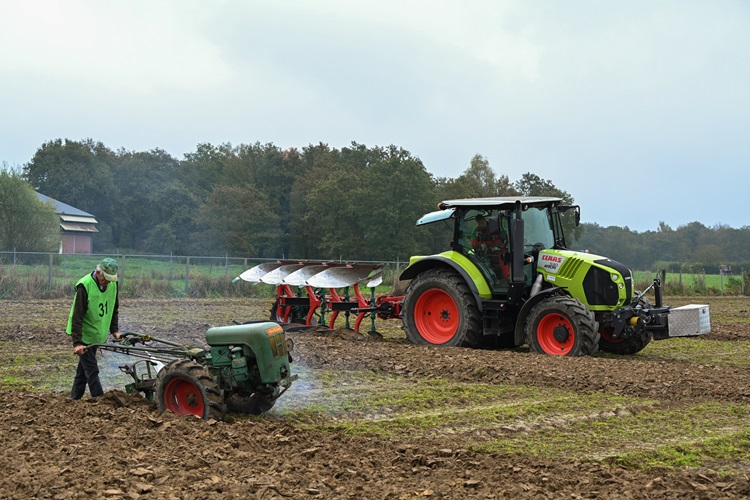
(562,326)
(628,345)
(186,387)
(440,309)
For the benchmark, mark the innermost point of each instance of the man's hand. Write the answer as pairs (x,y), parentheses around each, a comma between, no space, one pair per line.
(79,350)
(117,336)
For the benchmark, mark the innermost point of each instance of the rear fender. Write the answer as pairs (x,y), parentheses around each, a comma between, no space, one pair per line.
(459,263)
(523,313)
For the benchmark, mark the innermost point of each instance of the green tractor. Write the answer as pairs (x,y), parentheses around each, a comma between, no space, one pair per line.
(508,280)
(245,368)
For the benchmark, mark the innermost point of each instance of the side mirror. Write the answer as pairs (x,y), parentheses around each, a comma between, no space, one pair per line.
(577,209)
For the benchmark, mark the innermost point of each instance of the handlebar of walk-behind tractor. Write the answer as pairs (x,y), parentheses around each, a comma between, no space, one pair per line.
(152,348)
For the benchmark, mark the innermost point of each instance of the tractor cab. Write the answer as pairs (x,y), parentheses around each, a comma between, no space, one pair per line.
(502,237)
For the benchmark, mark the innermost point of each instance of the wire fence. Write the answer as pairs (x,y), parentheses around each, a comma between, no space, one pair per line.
(47,275)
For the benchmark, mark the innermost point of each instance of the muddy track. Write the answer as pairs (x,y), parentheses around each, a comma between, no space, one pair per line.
(120,446)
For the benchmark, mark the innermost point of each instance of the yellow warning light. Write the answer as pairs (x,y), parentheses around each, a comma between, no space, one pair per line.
(274,330)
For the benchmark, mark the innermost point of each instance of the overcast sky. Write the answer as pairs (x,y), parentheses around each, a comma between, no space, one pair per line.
(640,110)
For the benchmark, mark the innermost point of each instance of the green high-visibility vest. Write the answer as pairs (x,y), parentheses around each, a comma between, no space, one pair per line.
(98,317)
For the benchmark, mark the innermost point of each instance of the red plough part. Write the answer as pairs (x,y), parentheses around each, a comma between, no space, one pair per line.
(326,287)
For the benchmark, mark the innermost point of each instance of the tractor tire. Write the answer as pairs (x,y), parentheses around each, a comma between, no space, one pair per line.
(186,387)
(626,346)
(252,404)
(562,326)
(439,309)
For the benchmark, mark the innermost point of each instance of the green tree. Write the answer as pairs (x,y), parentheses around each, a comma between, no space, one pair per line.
(398,190)
(240,221)
(709,255)
(174,210)
(202,170)
(268,169)
(311,196)
(359,203)
(26,223)
(477,181)
(139,178)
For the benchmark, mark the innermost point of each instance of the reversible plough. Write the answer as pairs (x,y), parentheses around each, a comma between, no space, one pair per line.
(307,291)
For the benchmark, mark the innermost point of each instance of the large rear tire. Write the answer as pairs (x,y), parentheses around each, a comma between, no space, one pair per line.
(562,326)
(440,309)
(186,387)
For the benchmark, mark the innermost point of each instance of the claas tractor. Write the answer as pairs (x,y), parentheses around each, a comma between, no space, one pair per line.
(245,368)
(509,279)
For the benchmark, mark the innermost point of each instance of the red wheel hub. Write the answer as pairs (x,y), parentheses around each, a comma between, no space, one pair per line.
(555,334)
(182,397)
(436,316)
(606,334)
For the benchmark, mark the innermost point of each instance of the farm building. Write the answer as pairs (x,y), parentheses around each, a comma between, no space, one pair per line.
(76,227)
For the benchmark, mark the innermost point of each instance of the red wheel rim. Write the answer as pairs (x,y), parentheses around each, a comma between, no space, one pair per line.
(555,334)
(183,398)
(436,316)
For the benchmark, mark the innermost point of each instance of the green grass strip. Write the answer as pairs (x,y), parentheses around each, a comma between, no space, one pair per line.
(696,350)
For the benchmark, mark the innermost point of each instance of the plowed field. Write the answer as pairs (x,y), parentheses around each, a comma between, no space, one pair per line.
(374,417)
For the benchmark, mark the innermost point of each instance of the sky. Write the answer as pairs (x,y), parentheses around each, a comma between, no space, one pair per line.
(640,110)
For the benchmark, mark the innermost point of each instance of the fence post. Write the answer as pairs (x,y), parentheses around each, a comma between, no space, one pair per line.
(187,276)
(49,282)
(121,283)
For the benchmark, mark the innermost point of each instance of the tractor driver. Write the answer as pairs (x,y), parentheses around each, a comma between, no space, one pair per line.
(491,242)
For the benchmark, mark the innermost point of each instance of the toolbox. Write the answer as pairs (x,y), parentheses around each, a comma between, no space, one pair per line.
(692,319)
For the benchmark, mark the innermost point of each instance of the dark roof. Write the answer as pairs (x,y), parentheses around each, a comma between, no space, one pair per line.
(63,208)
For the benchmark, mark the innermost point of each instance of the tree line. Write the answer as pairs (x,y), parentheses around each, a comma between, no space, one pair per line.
(317,202)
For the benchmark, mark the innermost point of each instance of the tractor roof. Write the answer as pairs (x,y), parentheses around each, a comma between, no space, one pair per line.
(500,203)
(448,207)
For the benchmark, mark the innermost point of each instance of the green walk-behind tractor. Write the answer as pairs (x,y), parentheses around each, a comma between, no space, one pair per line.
(508,279)
(244,368)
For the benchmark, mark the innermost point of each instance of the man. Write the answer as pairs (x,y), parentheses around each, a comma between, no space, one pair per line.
(92,316)
(481,233)
(491,243)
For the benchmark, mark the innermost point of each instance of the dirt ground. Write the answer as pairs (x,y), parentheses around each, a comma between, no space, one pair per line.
(120,446)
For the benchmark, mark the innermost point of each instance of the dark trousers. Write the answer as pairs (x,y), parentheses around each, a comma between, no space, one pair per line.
(87,374)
